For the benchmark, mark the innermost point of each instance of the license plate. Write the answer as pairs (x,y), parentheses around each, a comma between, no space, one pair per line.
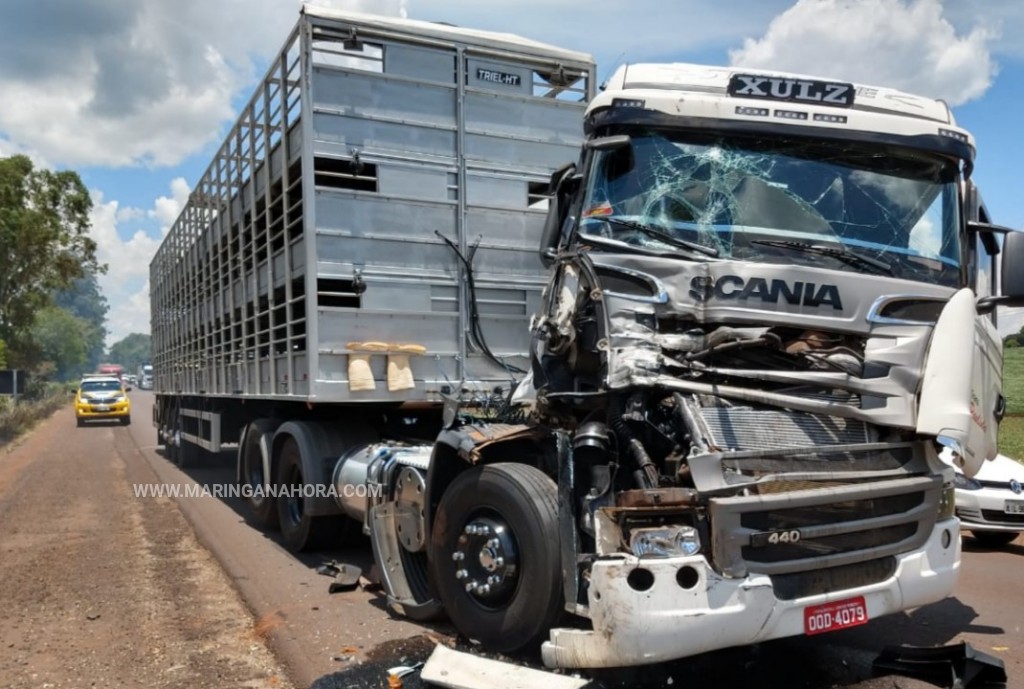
(1014,507)
(101,408)
(840,614)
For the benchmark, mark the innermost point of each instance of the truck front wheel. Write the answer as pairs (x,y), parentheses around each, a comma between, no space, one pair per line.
(494,555)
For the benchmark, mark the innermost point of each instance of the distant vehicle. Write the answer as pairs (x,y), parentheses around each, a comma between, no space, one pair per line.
(145,377)
(114,370)
(991,504)
(102,398)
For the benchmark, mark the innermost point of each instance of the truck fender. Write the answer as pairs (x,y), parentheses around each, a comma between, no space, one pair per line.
(320,446)
(451,456)
(445,465)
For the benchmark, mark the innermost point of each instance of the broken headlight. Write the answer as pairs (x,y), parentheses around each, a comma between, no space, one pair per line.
(964,483)
(664,541)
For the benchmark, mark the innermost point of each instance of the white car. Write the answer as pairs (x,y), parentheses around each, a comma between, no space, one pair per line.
(991,505)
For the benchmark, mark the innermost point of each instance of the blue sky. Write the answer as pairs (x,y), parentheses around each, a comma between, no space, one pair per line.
(136,94)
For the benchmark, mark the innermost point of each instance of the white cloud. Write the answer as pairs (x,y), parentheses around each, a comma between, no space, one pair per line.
(126,284)
(1010,321)
(127,82)
(905,44)
(613,31)
(1003,18)
(166,208)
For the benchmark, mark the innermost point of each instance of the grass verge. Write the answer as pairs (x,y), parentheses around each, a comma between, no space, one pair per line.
(16,419)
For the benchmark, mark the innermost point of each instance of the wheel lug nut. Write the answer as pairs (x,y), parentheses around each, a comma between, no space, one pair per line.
(493,579)
(499,562)
(471,585)
(461,574)
(483,589)
(458,555)
(493,543)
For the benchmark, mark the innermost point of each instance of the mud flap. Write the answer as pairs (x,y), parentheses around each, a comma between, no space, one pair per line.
(958,665)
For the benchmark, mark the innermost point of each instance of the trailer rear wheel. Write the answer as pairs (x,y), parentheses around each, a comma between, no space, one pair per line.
(299,529)
(261,506)
(187,454)
(495,557)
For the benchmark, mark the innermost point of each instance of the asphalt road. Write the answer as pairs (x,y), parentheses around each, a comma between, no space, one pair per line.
(349,639)
(99,589)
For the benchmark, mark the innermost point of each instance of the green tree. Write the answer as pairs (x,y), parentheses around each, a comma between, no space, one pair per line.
(44,242)
(84,300)
(3,354)
(131,351)
(59,342)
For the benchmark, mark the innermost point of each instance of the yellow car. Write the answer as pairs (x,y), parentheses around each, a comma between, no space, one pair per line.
(102,398)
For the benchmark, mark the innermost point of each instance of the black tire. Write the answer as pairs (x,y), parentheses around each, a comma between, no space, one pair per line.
(995,539)
(171,452)
(262,509)
(126,421)
(526,603)
(184,454)
(187,455)
(299,531)
(80,422)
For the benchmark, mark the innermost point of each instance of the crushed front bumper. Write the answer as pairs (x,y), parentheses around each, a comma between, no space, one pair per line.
(668,621)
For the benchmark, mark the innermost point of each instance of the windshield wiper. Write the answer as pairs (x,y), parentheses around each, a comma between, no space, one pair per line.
(663,236)
(842,252)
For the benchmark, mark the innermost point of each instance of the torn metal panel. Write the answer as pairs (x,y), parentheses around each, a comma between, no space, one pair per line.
(479,437)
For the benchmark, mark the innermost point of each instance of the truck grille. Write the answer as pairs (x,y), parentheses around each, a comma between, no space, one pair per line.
(815,582)
(822,528)
(741,428)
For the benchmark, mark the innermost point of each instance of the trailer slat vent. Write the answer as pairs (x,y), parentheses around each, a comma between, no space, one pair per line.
(336,173)
(338,293)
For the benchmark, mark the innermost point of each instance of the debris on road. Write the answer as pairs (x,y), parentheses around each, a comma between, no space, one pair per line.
(346,577)
(958,665)
(458,670)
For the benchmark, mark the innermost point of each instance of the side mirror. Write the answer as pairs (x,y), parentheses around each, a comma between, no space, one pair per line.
(563,184)
(609,143)
(1011,273)
(1012,277)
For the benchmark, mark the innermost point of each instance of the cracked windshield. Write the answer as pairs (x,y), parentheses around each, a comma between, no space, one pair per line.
(834,205)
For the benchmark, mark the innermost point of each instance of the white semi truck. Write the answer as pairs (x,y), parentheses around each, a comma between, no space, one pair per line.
(708,413)
(144,378)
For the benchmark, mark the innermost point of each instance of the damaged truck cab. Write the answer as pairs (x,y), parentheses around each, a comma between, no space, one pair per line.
(762,305)
(772,304)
